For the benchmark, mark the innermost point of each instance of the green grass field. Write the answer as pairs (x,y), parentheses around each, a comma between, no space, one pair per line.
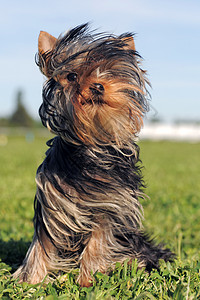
(172,175)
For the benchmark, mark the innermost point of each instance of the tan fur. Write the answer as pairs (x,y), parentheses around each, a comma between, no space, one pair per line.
(36,265)
(87,207)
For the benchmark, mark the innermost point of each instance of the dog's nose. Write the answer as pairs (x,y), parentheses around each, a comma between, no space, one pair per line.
(97,88)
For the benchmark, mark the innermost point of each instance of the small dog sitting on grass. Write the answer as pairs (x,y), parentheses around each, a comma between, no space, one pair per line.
(87,209)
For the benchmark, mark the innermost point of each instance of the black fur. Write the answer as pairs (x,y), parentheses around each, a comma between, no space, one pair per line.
(87,208)
(77,168)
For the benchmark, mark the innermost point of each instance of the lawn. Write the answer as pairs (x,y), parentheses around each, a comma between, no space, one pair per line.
(172,214)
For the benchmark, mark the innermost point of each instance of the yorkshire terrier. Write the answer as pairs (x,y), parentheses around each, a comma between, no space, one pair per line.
(87,209)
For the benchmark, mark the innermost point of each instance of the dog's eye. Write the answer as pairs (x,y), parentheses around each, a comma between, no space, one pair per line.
(71,76)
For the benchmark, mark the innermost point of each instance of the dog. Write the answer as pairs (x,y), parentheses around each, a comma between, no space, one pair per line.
(87,209)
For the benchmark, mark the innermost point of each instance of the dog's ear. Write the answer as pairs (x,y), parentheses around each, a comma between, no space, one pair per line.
(46,44)
(129,43)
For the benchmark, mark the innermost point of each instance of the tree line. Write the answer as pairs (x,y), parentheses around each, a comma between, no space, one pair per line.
(20,116)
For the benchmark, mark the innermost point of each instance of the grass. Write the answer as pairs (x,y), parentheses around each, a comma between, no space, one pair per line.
(173,213)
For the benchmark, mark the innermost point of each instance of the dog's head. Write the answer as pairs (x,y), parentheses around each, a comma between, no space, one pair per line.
(95,91)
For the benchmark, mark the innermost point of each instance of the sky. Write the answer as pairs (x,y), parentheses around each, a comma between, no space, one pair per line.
(167,36)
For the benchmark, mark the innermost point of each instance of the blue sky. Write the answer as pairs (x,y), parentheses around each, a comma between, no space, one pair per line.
(167,37)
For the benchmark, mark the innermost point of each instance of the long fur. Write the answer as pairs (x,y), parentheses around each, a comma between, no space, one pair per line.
(87,209)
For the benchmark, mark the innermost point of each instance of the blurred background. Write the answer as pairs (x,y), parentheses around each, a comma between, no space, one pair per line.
(167,37)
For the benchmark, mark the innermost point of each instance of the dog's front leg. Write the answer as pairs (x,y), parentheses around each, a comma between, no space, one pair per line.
(35,265)
(95,257)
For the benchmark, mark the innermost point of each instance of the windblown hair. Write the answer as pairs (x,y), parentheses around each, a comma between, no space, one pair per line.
(104,59)
(87,209)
